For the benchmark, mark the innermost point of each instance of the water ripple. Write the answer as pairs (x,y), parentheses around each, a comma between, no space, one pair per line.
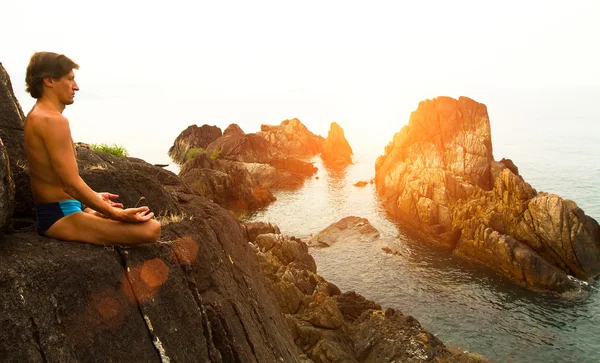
(463,304)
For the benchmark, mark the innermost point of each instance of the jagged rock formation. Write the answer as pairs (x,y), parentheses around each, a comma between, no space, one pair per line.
(193,137)
(347,229)
(238,170)
(278,169)
(439,177)
(331,326)
(236,145)
(292,138)
(11,133)
(227,183)
(337,153)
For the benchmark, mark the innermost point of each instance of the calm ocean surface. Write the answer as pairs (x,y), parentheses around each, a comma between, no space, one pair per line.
(464,305)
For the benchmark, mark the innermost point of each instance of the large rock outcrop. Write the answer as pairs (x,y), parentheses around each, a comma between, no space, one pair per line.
(198,295)
(253,149)
(11,133)
(292,138)
(238,170)
(439,177)
(331,326)
(337,152)
(193,137)
(227,183)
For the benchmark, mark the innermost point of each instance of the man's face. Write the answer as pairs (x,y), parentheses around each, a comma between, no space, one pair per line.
(65,88)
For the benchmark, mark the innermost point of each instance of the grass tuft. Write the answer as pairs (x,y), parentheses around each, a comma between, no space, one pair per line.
(193,152)
(114,149)
(167,219)
(215,155)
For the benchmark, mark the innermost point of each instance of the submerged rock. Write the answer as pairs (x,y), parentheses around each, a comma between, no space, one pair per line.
(292,138)
(337,152)
(438,176)
(360,184)
(348,229)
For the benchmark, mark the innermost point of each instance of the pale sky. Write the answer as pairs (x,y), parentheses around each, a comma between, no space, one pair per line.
(149,69)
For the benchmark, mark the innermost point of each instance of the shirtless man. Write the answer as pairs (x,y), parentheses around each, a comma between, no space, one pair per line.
(58,191)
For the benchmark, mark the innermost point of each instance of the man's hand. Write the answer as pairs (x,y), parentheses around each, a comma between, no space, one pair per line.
(133,215)
(106,197)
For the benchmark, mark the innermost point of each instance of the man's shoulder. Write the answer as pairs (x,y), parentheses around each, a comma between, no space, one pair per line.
(42,118)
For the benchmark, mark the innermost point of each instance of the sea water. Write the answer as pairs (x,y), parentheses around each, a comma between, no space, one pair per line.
(465,305)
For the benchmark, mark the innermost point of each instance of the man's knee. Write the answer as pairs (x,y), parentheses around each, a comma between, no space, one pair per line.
(152,231)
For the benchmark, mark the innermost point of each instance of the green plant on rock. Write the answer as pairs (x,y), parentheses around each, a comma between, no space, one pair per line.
(114,149)
(193,152)
(215,155)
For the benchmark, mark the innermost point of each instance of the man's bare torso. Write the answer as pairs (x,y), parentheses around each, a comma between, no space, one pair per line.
(46,186)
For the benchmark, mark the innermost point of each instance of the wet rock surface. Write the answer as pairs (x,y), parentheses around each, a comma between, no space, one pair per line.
(347,230)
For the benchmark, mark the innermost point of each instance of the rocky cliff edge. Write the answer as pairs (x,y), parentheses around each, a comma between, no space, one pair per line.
(438,176)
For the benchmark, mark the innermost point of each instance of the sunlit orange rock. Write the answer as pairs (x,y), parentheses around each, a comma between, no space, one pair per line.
(293,138)
(239,170)
(337,152)
(438,176)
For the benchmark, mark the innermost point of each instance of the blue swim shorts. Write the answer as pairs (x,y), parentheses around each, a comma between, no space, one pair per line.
(47,214)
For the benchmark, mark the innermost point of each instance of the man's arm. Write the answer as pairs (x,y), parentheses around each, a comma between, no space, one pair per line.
(57,137)
(107,199)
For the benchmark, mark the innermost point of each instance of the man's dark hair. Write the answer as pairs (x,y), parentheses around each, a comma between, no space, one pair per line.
(43,65)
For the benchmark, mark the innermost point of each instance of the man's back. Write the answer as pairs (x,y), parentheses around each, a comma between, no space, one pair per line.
(46,186)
